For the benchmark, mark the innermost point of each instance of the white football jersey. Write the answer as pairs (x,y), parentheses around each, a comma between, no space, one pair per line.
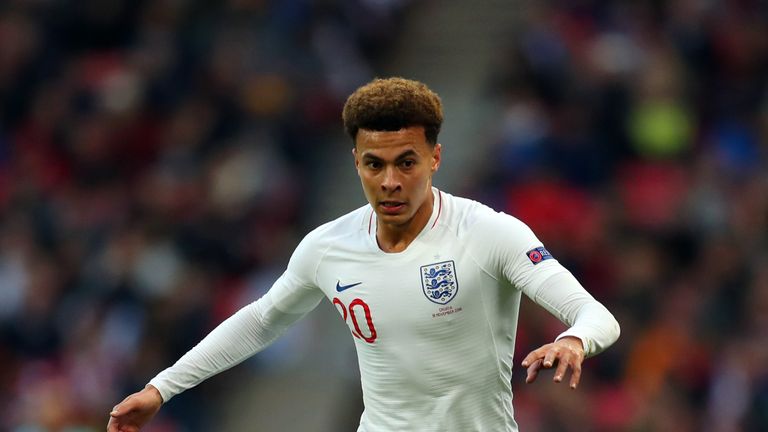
(434,326)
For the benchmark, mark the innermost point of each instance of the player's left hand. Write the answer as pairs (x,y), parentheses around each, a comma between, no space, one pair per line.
(566,353)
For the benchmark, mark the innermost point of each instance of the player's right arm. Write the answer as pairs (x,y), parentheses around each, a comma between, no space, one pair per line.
(248,331)
(135,411)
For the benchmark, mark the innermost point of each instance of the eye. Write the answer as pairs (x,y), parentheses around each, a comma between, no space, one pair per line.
(374,165)
(408,163)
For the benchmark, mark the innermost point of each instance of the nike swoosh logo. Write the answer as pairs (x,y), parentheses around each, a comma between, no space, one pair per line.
(340,288)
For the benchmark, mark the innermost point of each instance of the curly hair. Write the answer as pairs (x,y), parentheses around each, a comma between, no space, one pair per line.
(390,104)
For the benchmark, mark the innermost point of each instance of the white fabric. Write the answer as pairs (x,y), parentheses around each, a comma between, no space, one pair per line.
(425,365)
(240,336)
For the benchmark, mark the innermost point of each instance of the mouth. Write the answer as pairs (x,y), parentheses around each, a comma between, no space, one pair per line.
(391,207)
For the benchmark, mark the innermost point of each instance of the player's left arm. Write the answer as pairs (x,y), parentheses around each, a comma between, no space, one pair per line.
(592,327)
(510,250)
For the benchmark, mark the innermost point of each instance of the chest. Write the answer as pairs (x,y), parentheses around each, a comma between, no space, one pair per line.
(404,297)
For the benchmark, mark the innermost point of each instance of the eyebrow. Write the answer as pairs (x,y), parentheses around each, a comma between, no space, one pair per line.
(401,156)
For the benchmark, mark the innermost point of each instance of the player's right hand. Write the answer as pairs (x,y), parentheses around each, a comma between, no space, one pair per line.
(135,411)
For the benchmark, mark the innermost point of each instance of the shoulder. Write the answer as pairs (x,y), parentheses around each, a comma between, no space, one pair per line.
(312,249)
(465,217)
(350,224)
(500,243)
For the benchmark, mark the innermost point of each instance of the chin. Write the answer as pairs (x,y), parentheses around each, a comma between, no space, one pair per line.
(390,219)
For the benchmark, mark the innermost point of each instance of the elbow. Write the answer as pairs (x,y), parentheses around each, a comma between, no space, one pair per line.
(610,330)
(615,330)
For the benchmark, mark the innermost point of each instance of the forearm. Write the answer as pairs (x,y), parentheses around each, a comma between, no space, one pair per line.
(242,335)
(563,296)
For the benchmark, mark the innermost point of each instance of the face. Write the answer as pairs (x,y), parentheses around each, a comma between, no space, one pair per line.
(396,170)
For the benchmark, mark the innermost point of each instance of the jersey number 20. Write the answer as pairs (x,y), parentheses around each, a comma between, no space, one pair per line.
(371,337)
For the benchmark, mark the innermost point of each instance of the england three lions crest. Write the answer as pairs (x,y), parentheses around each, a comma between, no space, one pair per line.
(439,281)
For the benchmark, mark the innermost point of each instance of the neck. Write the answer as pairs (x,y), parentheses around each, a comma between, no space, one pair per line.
(396,238)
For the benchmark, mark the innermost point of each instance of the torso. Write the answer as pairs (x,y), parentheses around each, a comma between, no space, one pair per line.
(434,349)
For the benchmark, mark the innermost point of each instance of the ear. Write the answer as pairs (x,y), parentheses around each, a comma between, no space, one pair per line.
(436,155)
(354,155)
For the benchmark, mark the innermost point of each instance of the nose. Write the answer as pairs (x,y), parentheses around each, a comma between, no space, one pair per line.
(391,180)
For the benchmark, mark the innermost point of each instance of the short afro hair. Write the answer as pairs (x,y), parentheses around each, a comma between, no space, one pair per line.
(390,104)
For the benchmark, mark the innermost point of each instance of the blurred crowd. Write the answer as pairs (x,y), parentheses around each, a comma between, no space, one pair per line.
(633,138)
(158,160)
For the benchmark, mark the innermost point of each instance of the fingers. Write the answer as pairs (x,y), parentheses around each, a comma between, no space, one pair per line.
(112,425)
(569,358)
(119,414)
(554,355)
(115,419)
(122,408)
(122,423)
(533,371)
(550,358)
(116,425)
(562,368)
(575,376)
(534,355)
(135,411)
